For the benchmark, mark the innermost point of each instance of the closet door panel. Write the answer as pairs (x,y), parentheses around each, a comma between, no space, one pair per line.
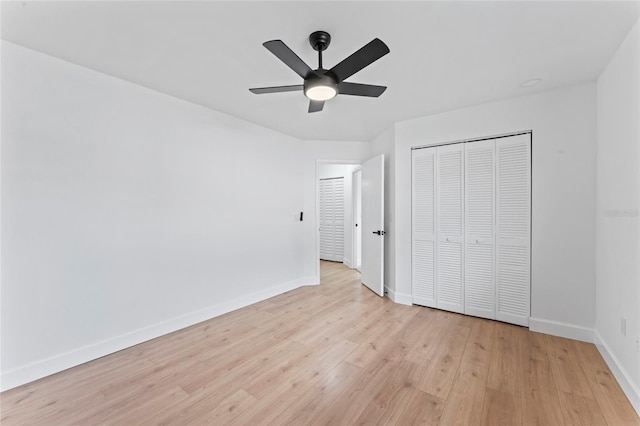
(450,227)
(325,250)
(332,219)
(338,219)
(480,291)
(423,227)
(513,232)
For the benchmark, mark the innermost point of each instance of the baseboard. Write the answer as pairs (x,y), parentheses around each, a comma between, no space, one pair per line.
(400,298)
(309,281)
(347,262)
(42,368)
(561,329)
(630,389)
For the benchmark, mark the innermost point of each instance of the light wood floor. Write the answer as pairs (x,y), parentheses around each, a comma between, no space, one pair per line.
(334,354)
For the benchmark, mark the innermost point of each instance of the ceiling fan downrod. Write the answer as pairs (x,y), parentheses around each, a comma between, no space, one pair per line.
(319,41)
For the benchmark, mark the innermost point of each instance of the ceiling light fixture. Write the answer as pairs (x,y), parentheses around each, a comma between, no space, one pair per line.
(531,83)
(320,87)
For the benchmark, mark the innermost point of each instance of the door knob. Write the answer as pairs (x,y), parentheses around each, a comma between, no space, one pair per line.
(448,239)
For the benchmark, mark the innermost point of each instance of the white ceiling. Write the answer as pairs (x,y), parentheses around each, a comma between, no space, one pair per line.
(444,55)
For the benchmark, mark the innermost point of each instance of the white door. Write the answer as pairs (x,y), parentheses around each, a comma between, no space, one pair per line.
(423,227)
(372,268)
(513,232)
(357,220)
(450,220)
(479,269)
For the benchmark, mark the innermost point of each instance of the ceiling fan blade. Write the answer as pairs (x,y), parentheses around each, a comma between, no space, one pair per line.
(358,89)
(366,55)
(315,106)
(286,55)
(276,89)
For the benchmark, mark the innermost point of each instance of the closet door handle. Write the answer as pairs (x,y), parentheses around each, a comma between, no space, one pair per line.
(448,239)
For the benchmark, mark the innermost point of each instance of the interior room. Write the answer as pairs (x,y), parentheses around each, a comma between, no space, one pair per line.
(320,212)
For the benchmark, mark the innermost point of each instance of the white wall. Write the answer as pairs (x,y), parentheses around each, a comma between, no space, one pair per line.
(127,213)
(618,215)
(344,171)
(563,195)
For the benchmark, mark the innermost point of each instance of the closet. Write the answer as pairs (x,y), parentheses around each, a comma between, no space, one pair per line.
(332,219)
(471,227)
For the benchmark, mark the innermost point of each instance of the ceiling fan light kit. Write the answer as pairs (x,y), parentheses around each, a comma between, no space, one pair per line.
(320,85)
(320,88)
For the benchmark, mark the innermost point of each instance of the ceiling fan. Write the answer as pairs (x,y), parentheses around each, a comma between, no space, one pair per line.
(320,84)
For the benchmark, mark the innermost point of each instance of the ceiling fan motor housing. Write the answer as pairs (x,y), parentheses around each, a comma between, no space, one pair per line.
(321,84)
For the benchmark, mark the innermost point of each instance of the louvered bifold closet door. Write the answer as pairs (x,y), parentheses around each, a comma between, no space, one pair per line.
(480,297)
(332,219)
(326,214)
(450,227)
(423,227)
(338,219)
(513,228)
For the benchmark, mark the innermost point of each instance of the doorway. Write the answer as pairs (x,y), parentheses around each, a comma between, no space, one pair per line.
(364,206)
(335,212)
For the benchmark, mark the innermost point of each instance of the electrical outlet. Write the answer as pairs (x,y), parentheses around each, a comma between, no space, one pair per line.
(623,326)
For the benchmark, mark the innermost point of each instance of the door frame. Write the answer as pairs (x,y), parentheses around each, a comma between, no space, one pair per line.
(317,204)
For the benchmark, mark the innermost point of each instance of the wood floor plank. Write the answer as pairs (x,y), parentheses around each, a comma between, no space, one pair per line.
(350,404)
(503,372)
(289,387)
(465,401)
(272,374)
(367,325)
(393,394)
(442,368)
(35,410)
(612,402)
(501,409)
(133,410)
(480,342)
(567,371)
(227,411)
(538,391)
(316,400)
(375,342)
(333,354)
(428,329)
(422,409)
(230,368)
(580,411)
